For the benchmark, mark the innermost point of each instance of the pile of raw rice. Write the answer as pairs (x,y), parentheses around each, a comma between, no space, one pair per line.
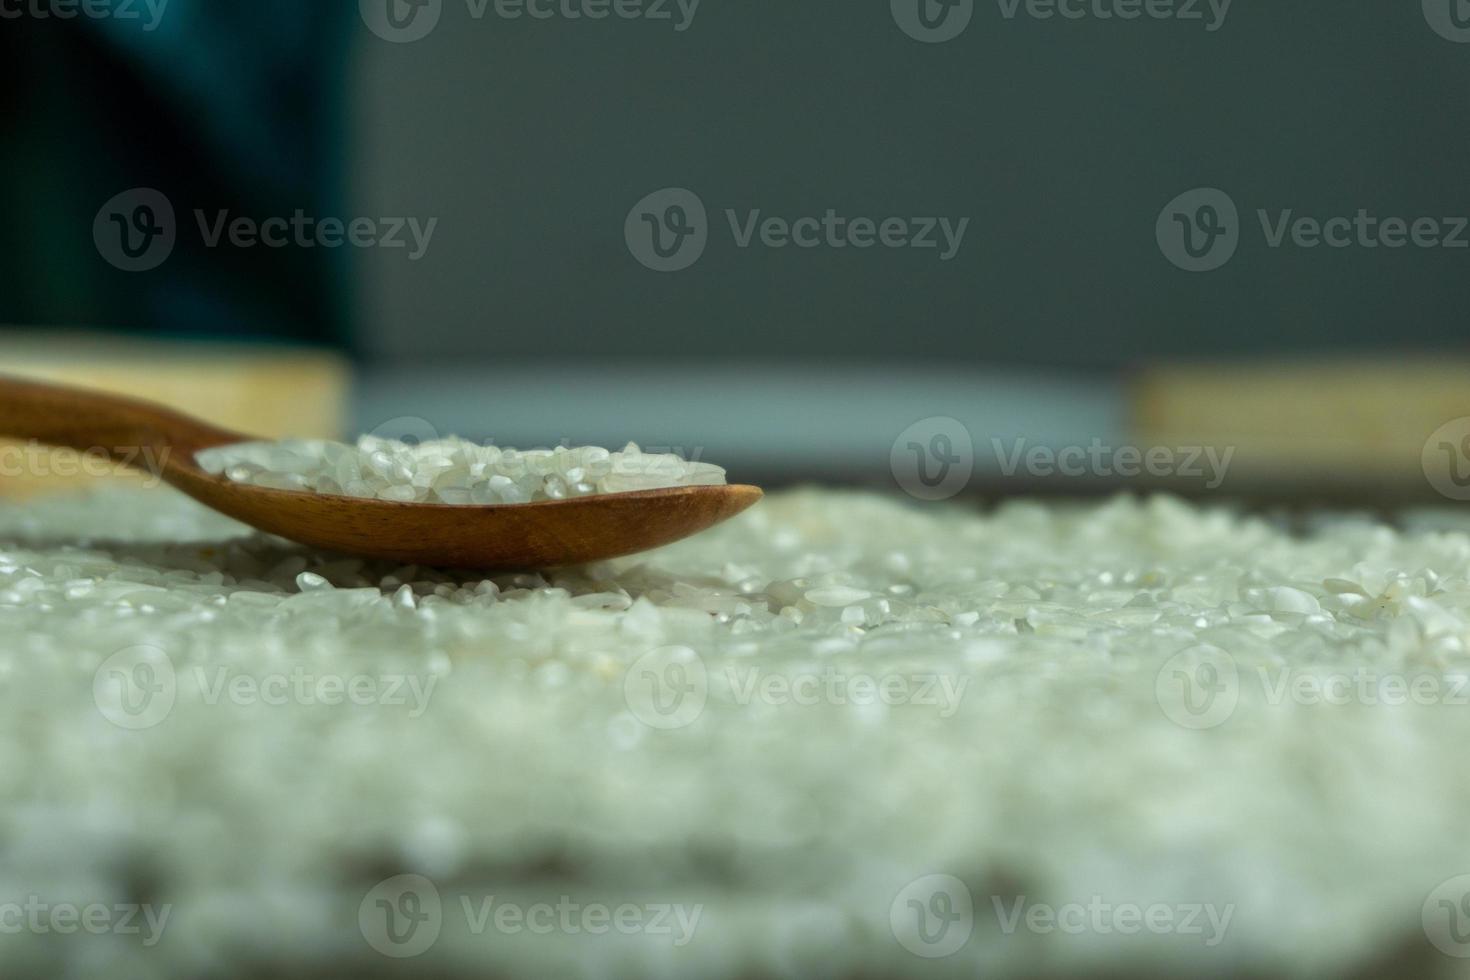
(841,735)
(452,471)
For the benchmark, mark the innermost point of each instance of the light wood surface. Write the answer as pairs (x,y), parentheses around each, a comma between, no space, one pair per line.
(273,391)
(1353,422)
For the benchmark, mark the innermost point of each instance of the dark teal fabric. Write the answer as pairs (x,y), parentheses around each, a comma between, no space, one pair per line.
(236,106)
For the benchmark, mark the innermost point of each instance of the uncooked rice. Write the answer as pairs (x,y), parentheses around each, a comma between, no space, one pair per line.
(451,471)
(792,722)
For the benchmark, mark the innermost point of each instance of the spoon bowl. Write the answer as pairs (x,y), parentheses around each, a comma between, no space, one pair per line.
(542,534)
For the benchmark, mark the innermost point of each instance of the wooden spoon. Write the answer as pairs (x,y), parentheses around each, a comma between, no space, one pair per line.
(536,535)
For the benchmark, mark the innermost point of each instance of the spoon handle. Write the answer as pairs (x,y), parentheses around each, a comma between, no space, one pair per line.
(93,421)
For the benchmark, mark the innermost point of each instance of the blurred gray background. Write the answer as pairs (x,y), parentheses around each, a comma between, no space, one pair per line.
(1060,139)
